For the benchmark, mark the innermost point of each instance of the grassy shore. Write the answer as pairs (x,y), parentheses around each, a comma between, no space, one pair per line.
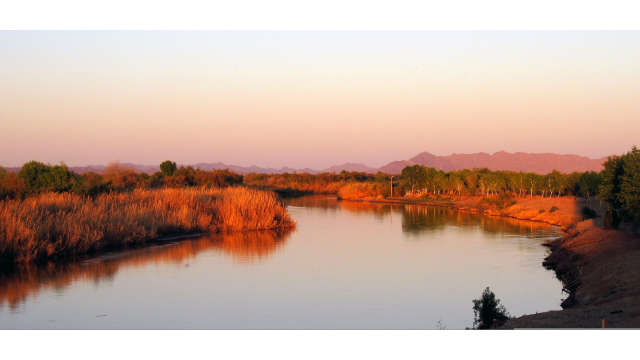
(52,226)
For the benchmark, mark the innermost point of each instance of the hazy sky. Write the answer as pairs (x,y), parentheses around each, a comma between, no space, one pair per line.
(313,99)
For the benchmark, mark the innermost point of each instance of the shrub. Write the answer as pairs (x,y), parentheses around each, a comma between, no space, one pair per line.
(168,168)
(55,225)
(11,186)
(358,191)
(488,313)
(501,201)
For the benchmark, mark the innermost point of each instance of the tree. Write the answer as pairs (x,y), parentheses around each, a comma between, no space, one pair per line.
(629,196)
(120,178)
(587,184)
(90,184)
(488,313)
(61,178)
(168,168)
(413,176)
(620,188)
(36,176)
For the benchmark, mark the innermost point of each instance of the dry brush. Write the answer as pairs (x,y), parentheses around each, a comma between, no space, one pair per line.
(53,225)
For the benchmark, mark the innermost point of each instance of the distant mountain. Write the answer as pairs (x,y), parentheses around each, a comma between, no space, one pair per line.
(250,169)
(539,163)
(531,162)
(350,167)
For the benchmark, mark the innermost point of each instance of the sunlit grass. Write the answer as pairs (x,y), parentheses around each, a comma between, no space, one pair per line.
(54,225)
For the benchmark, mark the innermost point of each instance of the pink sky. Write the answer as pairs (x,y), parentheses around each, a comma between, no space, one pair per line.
(313,99)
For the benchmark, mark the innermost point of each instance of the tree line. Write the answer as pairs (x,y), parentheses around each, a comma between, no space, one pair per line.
(419,179)
(618,184)
(620,188)
(36,177)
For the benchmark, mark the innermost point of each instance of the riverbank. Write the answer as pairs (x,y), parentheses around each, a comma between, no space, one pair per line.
(54,226)
(563,211)
(599,268)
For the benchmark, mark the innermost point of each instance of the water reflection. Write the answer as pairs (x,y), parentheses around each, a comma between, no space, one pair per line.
(18,284)
(419,219)
(348,265)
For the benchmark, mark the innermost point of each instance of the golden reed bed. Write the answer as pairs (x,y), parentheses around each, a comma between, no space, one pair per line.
(52,225)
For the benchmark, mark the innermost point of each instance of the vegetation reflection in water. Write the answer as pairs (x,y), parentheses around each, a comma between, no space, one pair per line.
(417,219)
(356,264)
(17,284)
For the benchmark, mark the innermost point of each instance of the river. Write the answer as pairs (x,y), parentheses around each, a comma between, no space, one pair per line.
(347,265)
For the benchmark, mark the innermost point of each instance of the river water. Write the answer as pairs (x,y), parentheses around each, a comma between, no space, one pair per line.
(347,265)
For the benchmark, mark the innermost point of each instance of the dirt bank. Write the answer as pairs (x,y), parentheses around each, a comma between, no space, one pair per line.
(600,270)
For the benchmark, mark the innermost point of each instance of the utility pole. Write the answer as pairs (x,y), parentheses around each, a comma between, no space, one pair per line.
(391,185)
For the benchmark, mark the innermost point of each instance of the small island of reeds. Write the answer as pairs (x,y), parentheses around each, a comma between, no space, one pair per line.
(52,226)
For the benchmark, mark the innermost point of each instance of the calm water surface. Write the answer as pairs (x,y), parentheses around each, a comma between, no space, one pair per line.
(348,265)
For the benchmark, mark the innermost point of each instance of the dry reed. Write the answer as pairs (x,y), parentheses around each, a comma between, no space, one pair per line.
(360,191)
(52,225)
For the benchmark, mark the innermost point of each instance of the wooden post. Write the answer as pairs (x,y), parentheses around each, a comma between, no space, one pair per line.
(603,323)
(391,185)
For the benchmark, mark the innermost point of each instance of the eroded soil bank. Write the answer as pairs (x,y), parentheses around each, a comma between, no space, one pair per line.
(600,269)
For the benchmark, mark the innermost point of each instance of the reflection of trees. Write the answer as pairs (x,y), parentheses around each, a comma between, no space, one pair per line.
(17,284)
(323,202)
(359,207)
(418,219)
(332,204)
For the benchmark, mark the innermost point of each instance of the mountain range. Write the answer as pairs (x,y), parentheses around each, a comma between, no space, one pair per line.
(530,162)
(541,163)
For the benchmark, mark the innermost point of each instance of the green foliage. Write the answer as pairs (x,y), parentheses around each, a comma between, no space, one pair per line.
(90,184)
(417,178)
(587,184)
(168,168)
(488,313)
(629,197)
(35,176)
(38,177)
(156,180)
(414,176)
(620,188)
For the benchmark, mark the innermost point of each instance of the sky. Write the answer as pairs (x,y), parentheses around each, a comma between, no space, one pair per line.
(313,99)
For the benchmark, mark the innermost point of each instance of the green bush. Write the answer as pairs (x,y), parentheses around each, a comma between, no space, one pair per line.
(488,313)
(620,188)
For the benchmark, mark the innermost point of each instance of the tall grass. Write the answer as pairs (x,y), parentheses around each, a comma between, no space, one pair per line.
(360,191)
(52,225)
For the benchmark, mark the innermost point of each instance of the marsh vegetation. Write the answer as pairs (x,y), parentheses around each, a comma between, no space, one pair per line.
(56,225)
